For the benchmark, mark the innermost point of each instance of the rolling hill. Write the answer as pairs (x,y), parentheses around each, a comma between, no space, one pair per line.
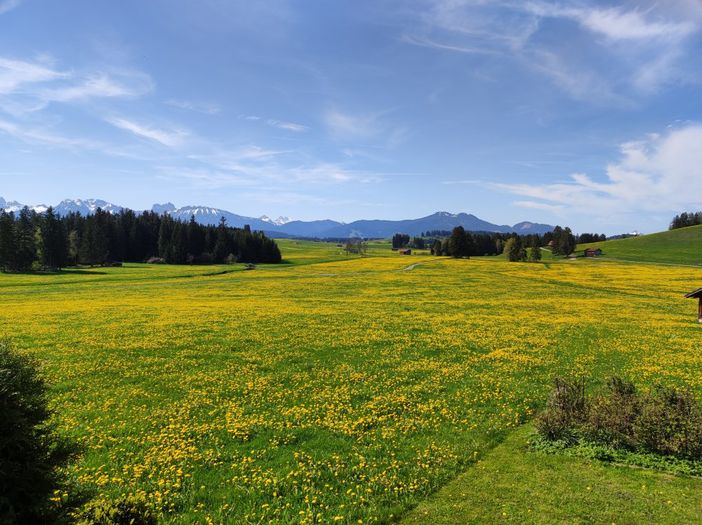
(681,246)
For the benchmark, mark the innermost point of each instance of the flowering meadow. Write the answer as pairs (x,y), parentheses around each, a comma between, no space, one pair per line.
(330,390)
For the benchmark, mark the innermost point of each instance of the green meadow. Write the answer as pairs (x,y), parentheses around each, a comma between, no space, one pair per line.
(335,388)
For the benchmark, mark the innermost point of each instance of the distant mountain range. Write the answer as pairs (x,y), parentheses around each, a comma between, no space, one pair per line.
(284,227)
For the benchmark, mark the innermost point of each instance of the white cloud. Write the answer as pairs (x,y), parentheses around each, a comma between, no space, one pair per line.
(16,74)
(204,177)
(30,86)
(657,174)
(373,126)
(624,51)
(347,125)
(423,41)
(99,86)
(533,205)
(288,126)
(171,139)
(276,123)
(200,107)
(8,5)
(34,135)
(615,23)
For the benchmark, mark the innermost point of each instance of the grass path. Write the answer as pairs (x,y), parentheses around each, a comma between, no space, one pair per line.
(511,485)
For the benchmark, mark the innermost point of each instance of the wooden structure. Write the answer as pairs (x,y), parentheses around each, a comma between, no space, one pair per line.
(592,252)
(405,251)
(697,294)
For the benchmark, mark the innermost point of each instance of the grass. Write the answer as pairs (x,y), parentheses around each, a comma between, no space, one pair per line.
(335,388)
(528,487)
(680,246)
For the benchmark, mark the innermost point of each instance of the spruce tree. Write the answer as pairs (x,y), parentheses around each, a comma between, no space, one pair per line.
(165,237)
(26,252)
(458,244)
(222,244)
(8,245)
(53,241)
(178,253)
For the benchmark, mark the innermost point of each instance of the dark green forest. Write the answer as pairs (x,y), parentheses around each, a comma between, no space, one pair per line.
(31,240)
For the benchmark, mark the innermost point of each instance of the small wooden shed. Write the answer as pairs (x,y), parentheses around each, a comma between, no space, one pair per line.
(697,294)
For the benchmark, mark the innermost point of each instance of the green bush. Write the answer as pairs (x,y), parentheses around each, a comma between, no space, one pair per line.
(665,421)
(126,510)
(612,416)
(566,410)
(30,451)
(670,423)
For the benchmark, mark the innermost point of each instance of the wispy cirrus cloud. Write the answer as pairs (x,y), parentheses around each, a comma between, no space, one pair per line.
(100,85)
(276,123)
(288,126)
(8,5)
(168,138)
(208,108)
(15,74)
(30,86)
(38,135)
(623,50)
(615,23)
(364,126)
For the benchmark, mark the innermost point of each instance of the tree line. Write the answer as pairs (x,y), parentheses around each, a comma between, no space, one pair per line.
(31,239)
(686,219)
(402,240)
(461,243)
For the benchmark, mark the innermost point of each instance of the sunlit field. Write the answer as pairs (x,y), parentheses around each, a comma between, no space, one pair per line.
(332,388)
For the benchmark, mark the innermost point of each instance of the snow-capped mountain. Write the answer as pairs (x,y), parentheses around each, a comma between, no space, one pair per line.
(283,226)
(278,222)
(15,207)
(209,215)
(85,207)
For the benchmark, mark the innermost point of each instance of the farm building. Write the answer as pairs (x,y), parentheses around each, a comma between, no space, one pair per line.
(592,252)
(697,294)
(405,251)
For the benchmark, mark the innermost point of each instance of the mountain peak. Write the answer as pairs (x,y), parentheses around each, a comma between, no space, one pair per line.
(277,222)
(163,208)
(85,206)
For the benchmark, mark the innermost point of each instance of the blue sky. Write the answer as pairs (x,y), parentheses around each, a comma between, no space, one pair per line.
(570,112)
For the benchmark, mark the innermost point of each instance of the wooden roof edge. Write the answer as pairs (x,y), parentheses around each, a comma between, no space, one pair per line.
(694,294)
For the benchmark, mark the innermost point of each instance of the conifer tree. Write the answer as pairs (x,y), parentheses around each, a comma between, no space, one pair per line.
(178,253)
(165,237)
(8,245)
(26,251)
(53,241)
(221,248)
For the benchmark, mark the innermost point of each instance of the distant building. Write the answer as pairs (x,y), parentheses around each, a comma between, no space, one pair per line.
(697,294)
(405,251)
(592,252)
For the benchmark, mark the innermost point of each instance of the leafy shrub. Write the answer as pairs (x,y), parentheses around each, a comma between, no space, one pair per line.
(566,408)
(612,416)
(127,510)
(30,451)
(666,420)
(670,423)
